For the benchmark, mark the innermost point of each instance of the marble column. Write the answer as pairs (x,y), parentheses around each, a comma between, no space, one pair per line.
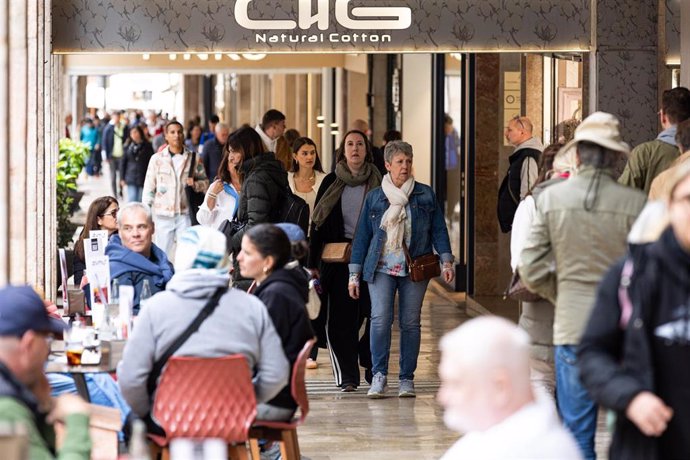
(625,53)
(685,44)
(29,128)
(193,100)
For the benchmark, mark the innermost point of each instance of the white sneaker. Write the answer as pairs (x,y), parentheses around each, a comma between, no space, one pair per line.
(406,389)
(378,386)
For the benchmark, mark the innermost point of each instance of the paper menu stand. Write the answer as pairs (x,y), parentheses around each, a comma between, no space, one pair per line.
(102,240)
(97,265)
(126,304)
(98,272)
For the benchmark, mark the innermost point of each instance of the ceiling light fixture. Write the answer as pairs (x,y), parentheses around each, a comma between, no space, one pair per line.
(218,56)
(146,56)
(186,56)
(172,56)
(203,56)
(234,57)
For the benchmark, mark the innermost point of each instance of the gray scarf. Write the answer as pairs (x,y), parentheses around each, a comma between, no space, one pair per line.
(344,177)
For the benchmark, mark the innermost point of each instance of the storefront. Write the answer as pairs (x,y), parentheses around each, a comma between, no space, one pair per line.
(509,57)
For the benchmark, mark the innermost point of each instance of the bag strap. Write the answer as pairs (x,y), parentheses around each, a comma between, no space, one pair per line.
(623,294)
(361,206)
(191,329)
(191,166)
(408,259)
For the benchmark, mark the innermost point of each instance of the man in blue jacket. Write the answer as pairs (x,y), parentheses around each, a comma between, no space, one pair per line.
(133,256)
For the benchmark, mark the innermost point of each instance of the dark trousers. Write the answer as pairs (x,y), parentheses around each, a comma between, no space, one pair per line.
(114,174)
(344,319)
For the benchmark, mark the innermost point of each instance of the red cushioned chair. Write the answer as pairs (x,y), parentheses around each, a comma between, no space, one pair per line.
(286,432)
(205,398)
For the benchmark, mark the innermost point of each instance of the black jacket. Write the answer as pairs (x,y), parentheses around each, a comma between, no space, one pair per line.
(264,183)
(285,293)
(615,363)
(509,192)
(211,154)
(135,162)
(333,228)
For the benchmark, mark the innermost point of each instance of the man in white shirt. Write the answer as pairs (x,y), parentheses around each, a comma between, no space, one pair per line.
(487,395)
(271,130)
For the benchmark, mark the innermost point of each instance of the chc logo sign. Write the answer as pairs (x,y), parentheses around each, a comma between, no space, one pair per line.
(396,18)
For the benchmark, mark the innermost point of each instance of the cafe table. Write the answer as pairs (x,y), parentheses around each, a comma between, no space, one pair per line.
(111,354)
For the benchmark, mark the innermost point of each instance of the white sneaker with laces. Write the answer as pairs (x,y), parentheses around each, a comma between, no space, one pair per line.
(378,386)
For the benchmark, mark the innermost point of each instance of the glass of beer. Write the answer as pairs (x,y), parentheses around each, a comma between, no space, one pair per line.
(74,350)
(74,345)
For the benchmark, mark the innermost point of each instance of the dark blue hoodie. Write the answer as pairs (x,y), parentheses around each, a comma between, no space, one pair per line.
(131,268)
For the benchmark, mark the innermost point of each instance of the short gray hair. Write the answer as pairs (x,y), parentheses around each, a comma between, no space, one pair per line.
(221,126)
(131,206)
(394,147)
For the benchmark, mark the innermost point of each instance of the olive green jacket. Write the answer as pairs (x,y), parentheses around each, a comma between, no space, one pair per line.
(646,162)
(77,441)
(569,248)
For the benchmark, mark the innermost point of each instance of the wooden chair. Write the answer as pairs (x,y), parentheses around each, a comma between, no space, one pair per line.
(205,398)
(286,432)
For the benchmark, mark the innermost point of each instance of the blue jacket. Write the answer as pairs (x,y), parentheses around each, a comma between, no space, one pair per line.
(428,230)
(131,268)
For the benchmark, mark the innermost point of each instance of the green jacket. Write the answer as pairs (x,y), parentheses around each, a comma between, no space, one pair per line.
(569,248)
(77,442)
(646,162)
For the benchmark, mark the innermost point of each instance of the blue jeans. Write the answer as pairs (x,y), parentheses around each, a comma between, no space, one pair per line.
(578,411)
(134,193)
(410,296)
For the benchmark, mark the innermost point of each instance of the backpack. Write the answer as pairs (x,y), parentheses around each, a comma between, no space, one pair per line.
(292,209)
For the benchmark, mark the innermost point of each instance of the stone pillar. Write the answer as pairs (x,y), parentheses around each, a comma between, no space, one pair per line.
(624,74)
(80,107)
(685,44)
(29,128)
(193,98)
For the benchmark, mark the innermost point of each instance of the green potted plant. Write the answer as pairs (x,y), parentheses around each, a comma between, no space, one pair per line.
(71,160)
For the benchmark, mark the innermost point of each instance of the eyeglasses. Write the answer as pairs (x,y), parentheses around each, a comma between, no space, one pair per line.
(112,213)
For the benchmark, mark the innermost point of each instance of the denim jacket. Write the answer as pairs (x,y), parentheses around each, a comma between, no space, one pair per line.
(428,229)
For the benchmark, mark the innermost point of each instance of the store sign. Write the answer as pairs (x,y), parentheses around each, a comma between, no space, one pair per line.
(280,26)
(402,15)
(400,18)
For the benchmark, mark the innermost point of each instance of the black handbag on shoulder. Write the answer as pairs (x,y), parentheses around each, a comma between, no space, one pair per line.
(194,199)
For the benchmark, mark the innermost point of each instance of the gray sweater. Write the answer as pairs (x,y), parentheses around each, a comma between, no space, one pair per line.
(240,324)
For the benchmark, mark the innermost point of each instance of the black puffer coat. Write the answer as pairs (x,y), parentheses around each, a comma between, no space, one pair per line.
(617,364)
(265,181)
(285,293)
(135,162)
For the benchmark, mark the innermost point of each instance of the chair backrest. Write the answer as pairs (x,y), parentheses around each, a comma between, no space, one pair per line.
(298,384)
(206,398)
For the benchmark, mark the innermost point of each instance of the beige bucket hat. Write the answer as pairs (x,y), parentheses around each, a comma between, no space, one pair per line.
(600,128)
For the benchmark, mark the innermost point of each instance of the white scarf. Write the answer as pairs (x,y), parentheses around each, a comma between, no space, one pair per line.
(393,220)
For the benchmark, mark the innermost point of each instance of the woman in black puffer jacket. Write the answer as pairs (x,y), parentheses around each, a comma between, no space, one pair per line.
(264,184)
(134,163)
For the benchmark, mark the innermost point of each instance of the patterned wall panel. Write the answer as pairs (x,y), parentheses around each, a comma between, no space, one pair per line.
(627,23)
(211,25)
(628,89)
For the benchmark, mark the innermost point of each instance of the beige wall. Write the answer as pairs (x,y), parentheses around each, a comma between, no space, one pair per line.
(416,111)
(28,144)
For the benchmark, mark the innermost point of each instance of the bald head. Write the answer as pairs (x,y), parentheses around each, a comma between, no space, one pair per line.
(360,125)
(485,374)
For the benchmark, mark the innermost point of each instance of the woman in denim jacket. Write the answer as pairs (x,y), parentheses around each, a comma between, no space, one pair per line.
(400,212)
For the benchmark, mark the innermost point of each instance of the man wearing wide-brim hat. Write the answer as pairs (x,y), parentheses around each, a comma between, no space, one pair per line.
(579,230)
